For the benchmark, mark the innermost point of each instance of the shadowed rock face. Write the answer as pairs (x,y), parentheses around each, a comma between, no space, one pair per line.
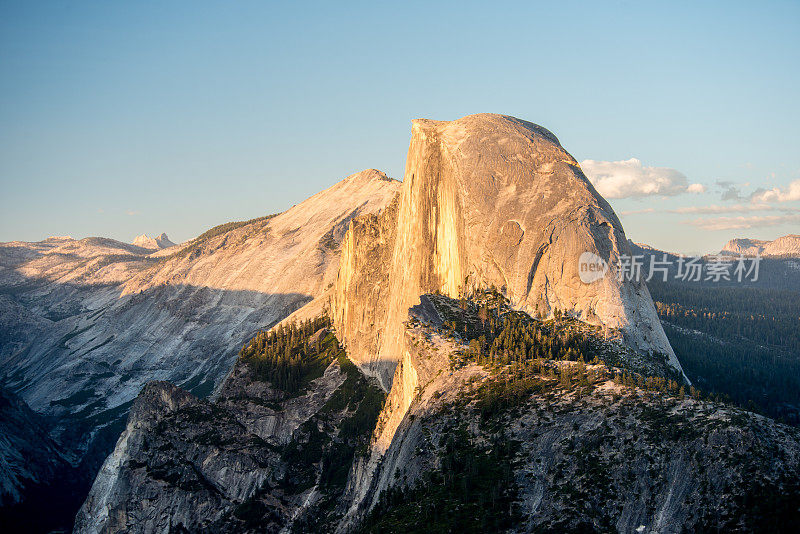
(28,455)
(486,200)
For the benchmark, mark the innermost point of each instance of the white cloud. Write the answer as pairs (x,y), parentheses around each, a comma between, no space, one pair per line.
(631,179)
(742,222)
(777,194)
(132,212)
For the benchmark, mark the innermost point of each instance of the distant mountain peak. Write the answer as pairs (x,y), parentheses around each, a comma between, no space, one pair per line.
(153,243)
(788,245)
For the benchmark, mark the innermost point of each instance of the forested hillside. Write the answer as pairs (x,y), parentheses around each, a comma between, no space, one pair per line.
(739,341)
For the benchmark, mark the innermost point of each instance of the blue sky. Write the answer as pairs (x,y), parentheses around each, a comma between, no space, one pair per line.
(121,118)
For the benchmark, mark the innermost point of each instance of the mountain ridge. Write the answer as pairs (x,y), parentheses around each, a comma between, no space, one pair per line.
(85,324)
(788,245)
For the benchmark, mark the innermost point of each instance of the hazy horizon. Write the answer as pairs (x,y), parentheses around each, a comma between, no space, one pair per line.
(119,120)
(769,234)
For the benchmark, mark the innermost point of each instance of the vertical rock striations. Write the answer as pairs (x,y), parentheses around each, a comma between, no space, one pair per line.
(486,200)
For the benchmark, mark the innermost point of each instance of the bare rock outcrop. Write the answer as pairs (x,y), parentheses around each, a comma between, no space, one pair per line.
(257,459)
(602,457)
(487,200)
(561,446)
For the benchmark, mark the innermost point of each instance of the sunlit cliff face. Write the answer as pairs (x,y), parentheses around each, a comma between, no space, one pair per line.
(487,200)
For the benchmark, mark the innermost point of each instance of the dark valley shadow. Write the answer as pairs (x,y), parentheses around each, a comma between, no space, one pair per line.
(78,355)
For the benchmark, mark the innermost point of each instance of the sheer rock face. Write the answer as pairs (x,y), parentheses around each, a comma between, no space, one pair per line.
(358,301)
(178,454)
(486,200)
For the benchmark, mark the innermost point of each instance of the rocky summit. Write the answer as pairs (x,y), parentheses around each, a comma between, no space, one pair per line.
(153,243)
(487,200)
